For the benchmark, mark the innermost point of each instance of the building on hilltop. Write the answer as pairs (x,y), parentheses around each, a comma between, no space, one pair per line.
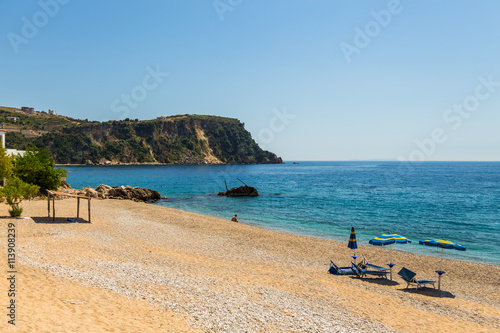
(28,109)
(52,112)
(14,119)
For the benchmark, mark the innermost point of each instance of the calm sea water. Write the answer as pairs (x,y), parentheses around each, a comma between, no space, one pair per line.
(459,201)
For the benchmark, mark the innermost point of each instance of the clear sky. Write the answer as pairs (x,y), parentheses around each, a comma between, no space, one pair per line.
(311,80)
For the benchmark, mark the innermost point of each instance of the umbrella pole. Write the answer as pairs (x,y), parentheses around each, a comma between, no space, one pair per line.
(440,270)
(390,258)
(441,265)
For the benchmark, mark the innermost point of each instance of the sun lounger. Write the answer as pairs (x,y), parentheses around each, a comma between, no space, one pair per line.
(363,271)
(409,277)
(372,266)
(336,270)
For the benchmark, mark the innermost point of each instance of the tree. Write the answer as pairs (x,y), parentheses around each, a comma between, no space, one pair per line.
(5,164)
(37,167)
(16,191)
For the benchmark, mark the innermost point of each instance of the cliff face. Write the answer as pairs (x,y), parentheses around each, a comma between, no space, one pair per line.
(179,140)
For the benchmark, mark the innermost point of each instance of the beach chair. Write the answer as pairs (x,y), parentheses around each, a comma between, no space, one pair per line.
(371,266)
(336,270)
(409,277)
(363,271)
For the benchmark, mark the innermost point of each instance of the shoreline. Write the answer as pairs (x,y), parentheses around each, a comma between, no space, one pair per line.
(288,232)
(194,272)
(158,163)
(298,233)
(466,213)
(305,234)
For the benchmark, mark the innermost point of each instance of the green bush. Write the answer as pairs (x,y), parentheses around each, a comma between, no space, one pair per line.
(16,191)
(37,167)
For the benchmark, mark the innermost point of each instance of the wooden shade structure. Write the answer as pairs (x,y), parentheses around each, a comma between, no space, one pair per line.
(52,195)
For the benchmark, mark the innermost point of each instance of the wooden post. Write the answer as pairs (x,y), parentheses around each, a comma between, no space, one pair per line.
(89,209)
(48,204)
(53,208)
(77,207)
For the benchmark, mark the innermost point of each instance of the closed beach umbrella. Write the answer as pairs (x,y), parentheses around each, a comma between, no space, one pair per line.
(389,239)
(353,244)
(443,244)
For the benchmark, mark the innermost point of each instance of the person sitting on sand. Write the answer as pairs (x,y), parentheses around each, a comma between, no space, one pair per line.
(234,219)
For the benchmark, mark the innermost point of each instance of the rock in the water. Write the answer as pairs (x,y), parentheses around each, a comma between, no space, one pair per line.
(242,191)
(121,192)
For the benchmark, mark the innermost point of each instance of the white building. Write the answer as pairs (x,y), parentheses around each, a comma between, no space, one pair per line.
(52,112)
(10,152)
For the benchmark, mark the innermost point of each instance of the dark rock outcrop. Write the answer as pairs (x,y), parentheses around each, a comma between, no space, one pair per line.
(242,191)
(121,192)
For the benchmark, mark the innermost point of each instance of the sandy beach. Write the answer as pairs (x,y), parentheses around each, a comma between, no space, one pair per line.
(144,268)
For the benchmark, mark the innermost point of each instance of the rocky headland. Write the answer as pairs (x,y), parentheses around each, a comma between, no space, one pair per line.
(180,139)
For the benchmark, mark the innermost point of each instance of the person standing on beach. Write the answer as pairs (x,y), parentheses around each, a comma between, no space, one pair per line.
(234,219)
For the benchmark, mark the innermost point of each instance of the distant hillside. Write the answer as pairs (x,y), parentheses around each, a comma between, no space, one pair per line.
(39,121)
(186,139)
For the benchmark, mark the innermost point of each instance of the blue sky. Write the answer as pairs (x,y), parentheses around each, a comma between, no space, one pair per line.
(311,80)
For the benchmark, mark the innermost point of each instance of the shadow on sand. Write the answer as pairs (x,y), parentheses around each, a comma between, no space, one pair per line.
(58,220)
(380,281)
(431,292)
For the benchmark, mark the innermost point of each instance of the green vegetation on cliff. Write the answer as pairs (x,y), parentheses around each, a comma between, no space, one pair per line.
(186,139)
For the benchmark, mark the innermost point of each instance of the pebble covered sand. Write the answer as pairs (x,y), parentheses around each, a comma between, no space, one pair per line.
(144,268)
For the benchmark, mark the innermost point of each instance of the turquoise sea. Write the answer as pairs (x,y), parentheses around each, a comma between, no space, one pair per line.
(459,201)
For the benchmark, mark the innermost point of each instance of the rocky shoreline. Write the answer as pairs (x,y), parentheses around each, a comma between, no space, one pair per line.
(118,192)
(181,162)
